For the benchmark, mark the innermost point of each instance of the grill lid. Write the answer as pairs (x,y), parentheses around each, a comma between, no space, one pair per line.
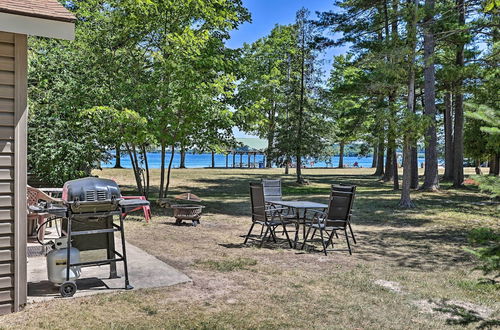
(91,190)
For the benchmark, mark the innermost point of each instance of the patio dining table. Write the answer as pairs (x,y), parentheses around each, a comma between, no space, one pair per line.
(298,206)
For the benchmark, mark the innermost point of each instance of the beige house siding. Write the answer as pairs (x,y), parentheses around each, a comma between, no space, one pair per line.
(13,95)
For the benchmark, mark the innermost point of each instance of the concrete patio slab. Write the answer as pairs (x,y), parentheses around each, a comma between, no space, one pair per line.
(145,271)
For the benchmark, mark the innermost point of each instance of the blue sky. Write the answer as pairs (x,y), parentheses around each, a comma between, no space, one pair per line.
(266,14)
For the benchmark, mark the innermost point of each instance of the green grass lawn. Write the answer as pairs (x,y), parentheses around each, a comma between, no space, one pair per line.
(407,271)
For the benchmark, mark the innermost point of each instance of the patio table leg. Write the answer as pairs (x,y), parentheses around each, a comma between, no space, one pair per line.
(304,225)
(297,228)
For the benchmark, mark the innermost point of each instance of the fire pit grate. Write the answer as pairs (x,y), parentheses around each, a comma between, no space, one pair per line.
(187,211)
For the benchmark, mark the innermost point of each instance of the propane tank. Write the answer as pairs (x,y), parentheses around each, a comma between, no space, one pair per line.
(57,259)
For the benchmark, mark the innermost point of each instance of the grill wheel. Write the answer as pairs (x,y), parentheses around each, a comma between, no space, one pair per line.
(68,289)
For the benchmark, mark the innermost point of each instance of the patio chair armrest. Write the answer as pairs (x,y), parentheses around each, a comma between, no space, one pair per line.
(315,213)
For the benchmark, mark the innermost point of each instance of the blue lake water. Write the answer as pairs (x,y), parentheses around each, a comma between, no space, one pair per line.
(205,160)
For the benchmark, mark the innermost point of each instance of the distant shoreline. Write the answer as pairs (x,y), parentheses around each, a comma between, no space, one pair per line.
(204,160)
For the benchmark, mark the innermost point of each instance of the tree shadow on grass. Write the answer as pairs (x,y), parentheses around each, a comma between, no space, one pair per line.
(463,314)
(419,250)
(422,250)
(371,196)
(375,203)
(254,241)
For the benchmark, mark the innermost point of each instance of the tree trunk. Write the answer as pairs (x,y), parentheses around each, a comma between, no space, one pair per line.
(491,165)
(395,176)
(374,157)
(458,127)
(135,167)
(182,163)
(298,153)
(389,172)
(172,151)
(162,170)
(213,159)
(494,164)
(478,167)
(414,153)
(287,165)
(414,168)
(148,178)
(298,169)
(448,137)
(341,154)
(431,157)
(496,170)
(379,171)
(138,168)
(118,157)
(270,139)
(405,201)
(408,139)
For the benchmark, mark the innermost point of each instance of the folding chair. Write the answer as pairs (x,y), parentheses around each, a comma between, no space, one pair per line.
(346,188)
(269,218)
(336,218)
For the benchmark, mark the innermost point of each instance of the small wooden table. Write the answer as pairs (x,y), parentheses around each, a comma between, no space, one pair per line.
(297,206)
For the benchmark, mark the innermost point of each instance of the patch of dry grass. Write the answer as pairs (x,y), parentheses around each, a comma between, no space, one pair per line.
(238,286)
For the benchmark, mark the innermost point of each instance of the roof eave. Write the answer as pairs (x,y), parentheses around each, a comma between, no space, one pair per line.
(36,26)
(38,15)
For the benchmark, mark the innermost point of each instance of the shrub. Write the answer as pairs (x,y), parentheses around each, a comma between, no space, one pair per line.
(485,246)
(489,184)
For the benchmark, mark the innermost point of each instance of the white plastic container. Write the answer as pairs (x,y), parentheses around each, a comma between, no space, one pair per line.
(57,261)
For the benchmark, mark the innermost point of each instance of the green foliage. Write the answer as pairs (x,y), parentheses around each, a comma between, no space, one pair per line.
(113,125)
(489,117)
(489,184)
(492,5)
(65,78)
(485,246)
(60,146)
(346,104)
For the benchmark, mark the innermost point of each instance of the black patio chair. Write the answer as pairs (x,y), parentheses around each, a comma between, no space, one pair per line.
(351,189)
(267,217)
(336,218)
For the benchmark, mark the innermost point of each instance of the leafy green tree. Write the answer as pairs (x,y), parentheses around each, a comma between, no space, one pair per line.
(309,126)
(262,93)
(127,127)
(279,96)
(347,106)
(191,68)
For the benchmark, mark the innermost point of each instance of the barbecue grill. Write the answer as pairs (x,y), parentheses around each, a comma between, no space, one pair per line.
(89,207)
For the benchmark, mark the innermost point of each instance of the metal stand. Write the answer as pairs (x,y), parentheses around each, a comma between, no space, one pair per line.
(69,288)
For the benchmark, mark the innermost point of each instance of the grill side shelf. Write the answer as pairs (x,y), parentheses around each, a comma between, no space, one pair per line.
(96,231)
